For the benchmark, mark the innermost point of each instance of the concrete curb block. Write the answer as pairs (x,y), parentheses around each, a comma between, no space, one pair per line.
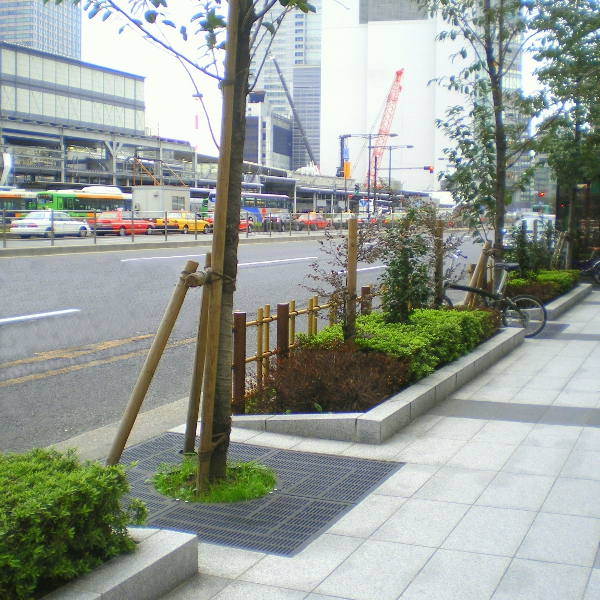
(564,303)
(148,245)
(389,417)
(163,561)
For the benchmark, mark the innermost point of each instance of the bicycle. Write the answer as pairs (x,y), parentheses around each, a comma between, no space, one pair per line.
(525,311)
(591,266)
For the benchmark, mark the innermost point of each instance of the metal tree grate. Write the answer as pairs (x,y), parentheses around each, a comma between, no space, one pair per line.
(313,491)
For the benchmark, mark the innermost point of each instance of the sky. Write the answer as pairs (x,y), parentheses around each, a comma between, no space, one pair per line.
(171,110)
(170,107)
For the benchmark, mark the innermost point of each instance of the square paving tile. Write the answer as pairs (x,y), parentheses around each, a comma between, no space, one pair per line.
(583,464)
(451,484)
(489,530)
(503,432)
(589,439)
(454,428)
(407,480)
(553,436)
(377,570)
(307,569)
(564,539)
(534,580)
(517,490)
(254,591)
(574,497)
(537,460)
(451,575)
(421,522)
(430,451)
(482,455)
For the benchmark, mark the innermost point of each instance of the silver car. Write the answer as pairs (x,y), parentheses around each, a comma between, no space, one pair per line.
(41,222)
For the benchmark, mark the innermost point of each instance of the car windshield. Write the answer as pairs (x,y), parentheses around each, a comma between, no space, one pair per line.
(42,216)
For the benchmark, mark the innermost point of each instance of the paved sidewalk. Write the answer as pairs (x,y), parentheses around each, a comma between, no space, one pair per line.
(499,498)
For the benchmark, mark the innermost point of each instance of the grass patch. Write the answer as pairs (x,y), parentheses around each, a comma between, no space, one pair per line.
(244,481)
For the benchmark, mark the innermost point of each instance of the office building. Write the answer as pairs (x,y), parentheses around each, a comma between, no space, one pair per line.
(364,44)
(297,49)
(49,27)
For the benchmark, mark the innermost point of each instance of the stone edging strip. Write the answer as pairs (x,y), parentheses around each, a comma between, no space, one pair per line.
(387,418)
(163,561)
(565,302)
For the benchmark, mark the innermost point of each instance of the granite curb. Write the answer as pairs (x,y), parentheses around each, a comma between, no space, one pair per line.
(561,305)
(163,561)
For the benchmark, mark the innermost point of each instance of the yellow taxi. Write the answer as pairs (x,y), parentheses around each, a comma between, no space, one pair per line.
(186,222)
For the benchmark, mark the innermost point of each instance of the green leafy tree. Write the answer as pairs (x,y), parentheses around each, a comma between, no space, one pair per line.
(490,128)
(568,50)
(198,42)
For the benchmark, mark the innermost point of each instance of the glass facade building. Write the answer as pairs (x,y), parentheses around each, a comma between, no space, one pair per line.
(61,91)
(297,48)
(50,27)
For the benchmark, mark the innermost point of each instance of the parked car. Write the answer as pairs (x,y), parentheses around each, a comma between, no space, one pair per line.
(281,222)
(120,222)
(41,223)
(183,221)
(246,221)
(313,220)
(363,220)
(340,220)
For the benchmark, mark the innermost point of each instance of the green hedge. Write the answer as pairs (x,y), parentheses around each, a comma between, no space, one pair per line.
(546,285)
(59,519)
(430,339)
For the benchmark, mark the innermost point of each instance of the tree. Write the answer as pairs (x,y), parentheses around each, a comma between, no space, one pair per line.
(490,130)
(568,51)
(248,30)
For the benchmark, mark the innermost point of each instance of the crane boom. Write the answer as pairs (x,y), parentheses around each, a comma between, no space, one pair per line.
(384,127)
(311,155)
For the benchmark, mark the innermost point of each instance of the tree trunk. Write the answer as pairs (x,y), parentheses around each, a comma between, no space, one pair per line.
(222,408)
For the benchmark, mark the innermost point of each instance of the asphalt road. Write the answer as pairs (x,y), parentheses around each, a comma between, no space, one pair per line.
(64,375)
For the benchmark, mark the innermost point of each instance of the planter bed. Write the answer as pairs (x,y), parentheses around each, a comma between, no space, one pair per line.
(387,418)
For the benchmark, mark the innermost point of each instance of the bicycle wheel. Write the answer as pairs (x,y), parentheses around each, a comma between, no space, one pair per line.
(596,273)
(527,312)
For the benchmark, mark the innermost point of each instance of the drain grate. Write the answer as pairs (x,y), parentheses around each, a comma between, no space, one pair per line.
(551,331)
(313,491)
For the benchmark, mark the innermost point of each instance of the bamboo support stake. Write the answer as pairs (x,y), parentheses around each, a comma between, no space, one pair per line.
(218,251)
(191,426)
(150,365)
(439,261)
(283,331)
(351,276)
(483,257)
(259,347)
(309,323)
(239,362)
(292,321)
(266,338)
(315,314)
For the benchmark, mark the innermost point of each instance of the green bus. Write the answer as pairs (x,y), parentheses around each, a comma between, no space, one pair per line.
(83,203)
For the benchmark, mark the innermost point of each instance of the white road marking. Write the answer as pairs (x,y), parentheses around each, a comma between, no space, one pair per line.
(163,257)
(281,260)
(54,313)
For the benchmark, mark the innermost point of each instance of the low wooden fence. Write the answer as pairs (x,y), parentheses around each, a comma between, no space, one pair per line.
(285,334)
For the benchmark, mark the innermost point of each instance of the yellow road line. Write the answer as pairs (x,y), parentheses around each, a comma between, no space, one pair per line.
(93,363)
(76,351)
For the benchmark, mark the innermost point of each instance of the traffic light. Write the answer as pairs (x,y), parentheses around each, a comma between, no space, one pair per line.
(346,169)
(356,188)
(429,168)
(541,194)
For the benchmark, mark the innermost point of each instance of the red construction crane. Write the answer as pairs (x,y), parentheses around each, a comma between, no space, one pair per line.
(381,138)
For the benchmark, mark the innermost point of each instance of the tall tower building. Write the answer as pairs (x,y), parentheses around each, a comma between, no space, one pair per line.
(297,48)
(46,27)
(364,43)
